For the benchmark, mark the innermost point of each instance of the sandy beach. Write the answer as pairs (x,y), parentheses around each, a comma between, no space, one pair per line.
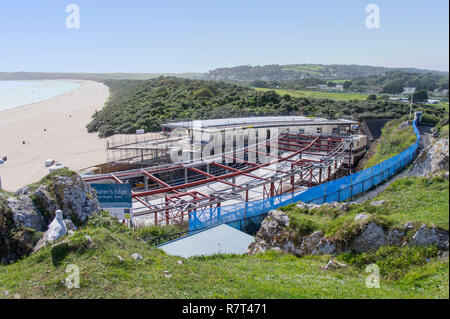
(66,139)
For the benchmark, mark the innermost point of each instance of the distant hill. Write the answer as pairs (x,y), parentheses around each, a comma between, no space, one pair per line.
(147,104)
(22,76)
(391,82)
(292,72)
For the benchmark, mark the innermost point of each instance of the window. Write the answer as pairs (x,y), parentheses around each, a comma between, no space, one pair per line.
(335,130)
(301,131)
(319,130)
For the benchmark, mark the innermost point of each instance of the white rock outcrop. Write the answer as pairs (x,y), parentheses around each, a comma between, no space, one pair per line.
(432,159)
(25,213)
(70,194)
(275,234)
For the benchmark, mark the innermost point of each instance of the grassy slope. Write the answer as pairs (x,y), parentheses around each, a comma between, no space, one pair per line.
(319,94)
(393,141)
(415,199)
(271,275)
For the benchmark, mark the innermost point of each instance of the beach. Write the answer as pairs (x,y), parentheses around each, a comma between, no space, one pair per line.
(52,129)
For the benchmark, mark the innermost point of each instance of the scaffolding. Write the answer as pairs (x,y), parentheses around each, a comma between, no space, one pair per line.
(170,193)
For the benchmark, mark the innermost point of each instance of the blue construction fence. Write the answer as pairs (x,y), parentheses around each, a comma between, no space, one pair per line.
(338,190)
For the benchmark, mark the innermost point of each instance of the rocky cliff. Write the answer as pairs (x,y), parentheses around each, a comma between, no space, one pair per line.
(32,208)
(366,234)
(432,159)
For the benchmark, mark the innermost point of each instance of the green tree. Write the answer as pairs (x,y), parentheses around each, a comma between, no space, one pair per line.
(420,96)
(371,97)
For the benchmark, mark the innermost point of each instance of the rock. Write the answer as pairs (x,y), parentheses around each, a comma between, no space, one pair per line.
(332,264)
(445,175)
(408,226)
(6,293)
(326,247)
(430,236)
(120,258)
(70,232)
(17,296)
(137,257)
(70,225)
(70,194)
(56,229)
(307,206)
(377,203)
(179,262)
(89,240)
(440,159)
(25,213)
(394,237)
(432,159)
(273,227)
(22,191)
(361,217)
(46,200)
(301,205)
(309,243)
(370,238)
(443,256)
(167,274)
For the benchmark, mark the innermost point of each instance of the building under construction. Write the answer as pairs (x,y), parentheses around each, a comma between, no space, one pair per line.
(203,165)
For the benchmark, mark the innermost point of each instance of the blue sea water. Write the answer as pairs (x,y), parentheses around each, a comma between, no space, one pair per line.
(18,93)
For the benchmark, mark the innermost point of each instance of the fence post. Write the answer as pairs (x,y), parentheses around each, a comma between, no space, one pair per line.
(351,186)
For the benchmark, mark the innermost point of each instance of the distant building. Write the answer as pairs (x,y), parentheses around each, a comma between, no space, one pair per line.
(429,101)
(408,90)
(405,100)
(339,87)
(323,86)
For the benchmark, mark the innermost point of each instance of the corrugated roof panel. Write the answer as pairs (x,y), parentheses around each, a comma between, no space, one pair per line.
(221,239)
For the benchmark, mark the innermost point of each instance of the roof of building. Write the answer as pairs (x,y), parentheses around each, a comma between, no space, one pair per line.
(266,121)
(221,239)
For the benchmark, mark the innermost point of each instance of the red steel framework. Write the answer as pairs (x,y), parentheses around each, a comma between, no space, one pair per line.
(179,200)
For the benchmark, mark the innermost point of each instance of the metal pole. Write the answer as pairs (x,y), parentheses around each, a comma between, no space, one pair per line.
(410,105)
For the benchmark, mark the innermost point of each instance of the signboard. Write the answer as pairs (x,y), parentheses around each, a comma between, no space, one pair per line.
(115,198)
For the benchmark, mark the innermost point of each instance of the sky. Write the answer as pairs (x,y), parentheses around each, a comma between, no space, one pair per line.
(173,36)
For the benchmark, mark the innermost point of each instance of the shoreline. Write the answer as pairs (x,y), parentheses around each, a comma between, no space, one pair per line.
(65,139)
(32,103)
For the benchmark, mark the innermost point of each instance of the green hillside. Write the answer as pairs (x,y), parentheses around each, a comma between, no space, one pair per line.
(147,104)
(405,272)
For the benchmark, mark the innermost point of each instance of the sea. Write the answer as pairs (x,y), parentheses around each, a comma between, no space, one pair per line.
(19,93)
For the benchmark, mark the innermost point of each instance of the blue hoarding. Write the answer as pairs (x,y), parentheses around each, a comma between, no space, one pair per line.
(113,195)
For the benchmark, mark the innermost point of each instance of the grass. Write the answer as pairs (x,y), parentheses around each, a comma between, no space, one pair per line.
(444,132)
(410,199)
(269,275)
(318,94)
(394,140)
(405,272)
(416,199)
(48,179)
(443,105)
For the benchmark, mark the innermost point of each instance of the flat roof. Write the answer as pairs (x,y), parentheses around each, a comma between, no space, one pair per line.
(222,239)
(266,121)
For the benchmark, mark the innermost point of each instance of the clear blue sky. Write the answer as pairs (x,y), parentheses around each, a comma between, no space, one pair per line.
(196,36)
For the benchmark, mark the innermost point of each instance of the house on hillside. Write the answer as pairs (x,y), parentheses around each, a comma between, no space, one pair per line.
(408,90)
